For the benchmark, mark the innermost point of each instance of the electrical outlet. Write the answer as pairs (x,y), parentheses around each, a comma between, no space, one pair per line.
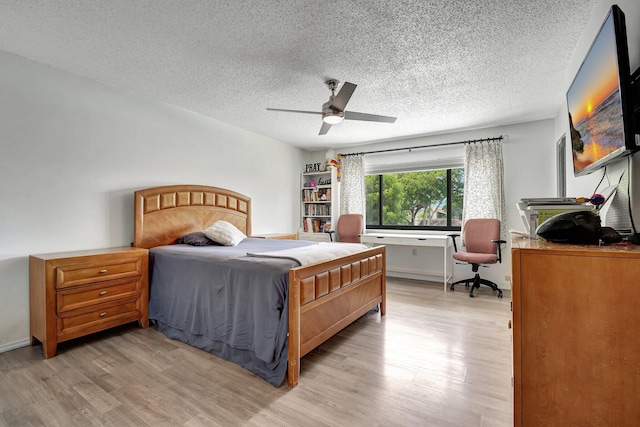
(507,278)
(414,252)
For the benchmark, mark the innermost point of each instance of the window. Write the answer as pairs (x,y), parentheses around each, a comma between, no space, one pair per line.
(425,200)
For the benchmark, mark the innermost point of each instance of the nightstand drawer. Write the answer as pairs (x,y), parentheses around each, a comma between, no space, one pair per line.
(75,275)
(72,299)
(103,317)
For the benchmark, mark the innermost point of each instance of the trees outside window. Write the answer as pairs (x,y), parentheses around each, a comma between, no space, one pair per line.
(426,200)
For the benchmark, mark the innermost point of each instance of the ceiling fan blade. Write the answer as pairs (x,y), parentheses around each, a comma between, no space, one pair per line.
(325,128)
(352,115)
(340,101)
(294,111)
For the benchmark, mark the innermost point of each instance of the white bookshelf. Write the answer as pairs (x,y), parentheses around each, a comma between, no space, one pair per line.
(319,202)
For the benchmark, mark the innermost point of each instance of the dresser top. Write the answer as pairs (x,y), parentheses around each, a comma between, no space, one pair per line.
(525,243)
(90,252)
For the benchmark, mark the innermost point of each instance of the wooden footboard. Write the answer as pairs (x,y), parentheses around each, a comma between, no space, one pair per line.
(326,297)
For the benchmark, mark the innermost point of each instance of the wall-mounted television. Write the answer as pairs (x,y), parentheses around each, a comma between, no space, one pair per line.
(600,101)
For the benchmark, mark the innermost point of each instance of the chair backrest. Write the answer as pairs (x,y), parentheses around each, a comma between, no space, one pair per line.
(478,234)
(350,227)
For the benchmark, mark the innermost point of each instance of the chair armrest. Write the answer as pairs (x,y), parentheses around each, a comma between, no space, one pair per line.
(499,242)
(453,237)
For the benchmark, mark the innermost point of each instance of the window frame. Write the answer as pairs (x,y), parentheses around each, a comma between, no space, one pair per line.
(448,227)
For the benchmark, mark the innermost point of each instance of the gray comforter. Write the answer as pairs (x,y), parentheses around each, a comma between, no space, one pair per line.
(220,300)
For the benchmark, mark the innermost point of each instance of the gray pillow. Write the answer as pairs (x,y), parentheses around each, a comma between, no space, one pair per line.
(197,238)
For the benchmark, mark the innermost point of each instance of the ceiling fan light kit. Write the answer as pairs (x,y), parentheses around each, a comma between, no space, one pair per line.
(330,116)
(333,111)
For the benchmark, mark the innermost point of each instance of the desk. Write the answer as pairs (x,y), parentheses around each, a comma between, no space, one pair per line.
(428,240)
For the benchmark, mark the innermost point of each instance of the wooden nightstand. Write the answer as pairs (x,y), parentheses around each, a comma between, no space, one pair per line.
(73,294)
(278,236)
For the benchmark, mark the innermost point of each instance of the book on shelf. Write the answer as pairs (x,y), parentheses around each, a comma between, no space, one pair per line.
(317,210)
(312,225)
(321,195)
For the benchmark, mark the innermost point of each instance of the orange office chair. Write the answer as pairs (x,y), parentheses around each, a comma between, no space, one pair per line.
(481,237)
(350,226)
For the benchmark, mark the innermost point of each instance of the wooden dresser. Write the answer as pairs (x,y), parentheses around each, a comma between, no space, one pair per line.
(576,334)
(73,294)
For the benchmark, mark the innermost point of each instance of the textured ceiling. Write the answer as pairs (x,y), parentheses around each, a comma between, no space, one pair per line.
(438,65)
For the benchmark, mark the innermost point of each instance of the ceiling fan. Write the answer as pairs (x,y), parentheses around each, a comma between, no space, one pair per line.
(333,111)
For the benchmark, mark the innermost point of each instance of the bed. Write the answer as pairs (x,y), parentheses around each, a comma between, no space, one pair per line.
(320,298)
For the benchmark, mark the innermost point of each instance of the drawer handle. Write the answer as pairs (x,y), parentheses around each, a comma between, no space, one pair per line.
(103,314)
(103,271)
(103,293)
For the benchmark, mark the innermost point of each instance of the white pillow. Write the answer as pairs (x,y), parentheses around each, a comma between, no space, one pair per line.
(224,233)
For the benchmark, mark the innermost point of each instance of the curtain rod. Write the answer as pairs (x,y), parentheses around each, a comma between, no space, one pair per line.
(470,141)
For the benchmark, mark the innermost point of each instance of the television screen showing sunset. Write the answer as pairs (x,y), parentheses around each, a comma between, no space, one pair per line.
(593,100)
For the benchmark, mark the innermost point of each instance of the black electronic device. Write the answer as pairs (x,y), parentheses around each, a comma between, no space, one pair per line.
(609,236)
(579,227)
(601,100)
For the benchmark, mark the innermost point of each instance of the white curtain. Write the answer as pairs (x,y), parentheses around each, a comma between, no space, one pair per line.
(352,188)
(484,183)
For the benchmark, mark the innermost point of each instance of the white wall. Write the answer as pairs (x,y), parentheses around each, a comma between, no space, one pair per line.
(74,151)
(529,160)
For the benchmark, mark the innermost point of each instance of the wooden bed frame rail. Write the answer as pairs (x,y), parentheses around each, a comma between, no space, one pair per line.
(326,297)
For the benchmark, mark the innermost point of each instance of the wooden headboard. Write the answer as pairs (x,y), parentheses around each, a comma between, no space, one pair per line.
(163,214)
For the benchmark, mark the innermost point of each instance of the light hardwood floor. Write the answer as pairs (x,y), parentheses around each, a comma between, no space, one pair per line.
(435,359)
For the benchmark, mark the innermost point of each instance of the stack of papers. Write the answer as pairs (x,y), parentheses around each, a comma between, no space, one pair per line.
(550,201)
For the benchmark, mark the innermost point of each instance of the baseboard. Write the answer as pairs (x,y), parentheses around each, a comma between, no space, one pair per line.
(13,345)
(414,276)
